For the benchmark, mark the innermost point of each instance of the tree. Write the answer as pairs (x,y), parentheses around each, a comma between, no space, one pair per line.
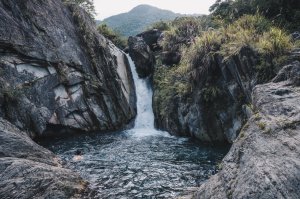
(282,12)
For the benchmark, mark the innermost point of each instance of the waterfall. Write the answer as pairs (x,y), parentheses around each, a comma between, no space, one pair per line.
(145,116)
(144,122)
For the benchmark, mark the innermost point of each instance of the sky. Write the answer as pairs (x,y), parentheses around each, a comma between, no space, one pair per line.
(107,8)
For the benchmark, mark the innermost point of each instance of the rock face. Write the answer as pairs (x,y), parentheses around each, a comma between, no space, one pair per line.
(215,109)
(264,161)
(142,56)
(57,72)
(27,170)
(151,37)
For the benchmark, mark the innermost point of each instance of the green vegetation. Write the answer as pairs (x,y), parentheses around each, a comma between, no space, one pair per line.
(160,25)
(255,31)
(110,34)
(274,42)
(285,14)
(201,46)
(183,30)
(170,85)
(87,5)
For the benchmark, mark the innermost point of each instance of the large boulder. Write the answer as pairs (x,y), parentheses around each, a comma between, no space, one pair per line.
(58,74)
(142,56)
(264,161)
(28,170)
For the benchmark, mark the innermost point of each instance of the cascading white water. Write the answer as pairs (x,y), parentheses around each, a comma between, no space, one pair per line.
(144,122)
(145,117)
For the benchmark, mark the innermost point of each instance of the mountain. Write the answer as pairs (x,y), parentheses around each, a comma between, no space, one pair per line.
(137,19)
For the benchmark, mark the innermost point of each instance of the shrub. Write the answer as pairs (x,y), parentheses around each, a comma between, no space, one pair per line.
(282,13)
(246,31)
(161,25)
(183,30)
(87,5)
(110,34)
(201,53)
(168,84)
(275,42)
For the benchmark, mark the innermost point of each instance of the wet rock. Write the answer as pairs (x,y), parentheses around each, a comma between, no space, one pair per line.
(28,170)
(142,56)
(264,161)
(58,74)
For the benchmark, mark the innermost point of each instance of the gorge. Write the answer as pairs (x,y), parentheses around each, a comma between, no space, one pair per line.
(140,162)
(196,108)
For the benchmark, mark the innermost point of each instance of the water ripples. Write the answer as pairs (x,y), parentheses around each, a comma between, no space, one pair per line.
(129,165)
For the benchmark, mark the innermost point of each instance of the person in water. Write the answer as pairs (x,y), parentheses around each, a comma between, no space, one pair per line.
(78,155)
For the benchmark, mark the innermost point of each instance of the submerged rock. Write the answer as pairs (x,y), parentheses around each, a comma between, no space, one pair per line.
(58,73)
(264,161)
(142,56)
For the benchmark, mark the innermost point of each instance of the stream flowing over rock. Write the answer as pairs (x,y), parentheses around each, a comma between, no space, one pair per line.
(59,73)
(264,161)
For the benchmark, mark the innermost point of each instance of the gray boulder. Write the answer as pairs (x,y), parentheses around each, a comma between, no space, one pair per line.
(28,170)
(58,74)
(264,161)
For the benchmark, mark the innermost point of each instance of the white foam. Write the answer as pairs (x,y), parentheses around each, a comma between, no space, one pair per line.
(144,123)
(146,132)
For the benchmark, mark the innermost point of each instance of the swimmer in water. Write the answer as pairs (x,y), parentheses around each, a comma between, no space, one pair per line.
(78,155)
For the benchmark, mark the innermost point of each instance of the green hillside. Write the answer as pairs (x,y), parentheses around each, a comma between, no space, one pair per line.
(137,19)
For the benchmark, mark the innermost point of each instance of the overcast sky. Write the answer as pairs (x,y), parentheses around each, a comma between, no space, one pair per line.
(106,8)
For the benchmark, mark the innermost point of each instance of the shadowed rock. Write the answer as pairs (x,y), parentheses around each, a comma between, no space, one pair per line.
(264,161)
(142,56)
(58,72)
(28,170)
